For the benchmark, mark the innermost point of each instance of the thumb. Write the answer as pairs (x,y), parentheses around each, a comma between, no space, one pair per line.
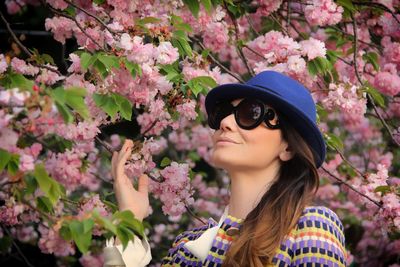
(143,185)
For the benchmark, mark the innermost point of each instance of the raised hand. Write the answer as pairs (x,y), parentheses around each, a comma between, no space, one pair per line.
(128,197)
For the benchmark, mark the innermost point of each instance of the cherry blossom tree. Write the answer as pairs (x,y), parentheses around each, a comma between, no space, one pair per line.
(151,63)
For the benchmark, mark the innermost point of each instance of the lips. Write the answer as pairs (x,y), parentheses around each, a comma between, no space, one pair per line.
(226,139)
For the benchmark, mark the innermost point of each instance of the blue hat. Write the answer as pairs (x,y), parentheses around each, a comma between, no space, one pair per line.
(285,94)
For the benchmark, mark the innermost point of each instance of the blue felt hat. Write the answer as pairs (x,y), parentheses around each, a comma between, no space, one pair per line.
(286,95)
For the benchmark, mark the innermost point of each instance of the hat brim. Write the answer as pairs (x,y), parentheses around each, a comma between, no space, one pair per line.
(305,127)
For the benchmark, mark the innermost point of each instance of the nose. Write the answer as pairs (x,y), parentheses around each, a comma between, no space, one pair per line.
(228,123)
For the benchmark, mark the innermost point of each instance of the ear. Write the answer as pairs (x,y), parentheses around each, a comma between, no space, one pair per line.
(286,153)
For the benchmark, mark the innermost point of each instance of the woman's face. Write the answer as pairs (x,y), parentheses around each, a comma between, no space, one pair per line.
(239,149)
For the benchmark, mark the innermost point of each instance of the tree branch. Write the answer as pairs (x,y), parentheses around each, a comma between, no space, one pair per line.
(91,15)
(238,47)
(19,251)
(351,187)
(355,47)
(216,61)
(26,51)
(78,25)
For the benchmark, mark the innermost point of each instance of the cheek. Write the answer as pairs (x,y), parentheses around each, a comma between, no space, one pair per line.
(263,147)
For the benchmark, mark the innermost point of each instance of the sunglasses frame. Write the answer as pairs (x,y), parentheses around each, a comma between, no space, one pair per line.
(265,110)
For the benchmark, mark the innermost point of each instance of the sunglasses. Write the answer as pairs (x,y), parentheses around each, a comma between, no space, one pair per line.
(248,114)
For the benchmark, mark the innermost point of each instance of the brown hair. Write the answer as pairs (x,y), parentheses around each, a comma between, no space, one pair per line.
(278,211)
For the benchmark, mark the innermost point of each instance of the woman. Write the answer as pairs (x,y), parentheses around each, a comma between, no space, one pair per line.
(267,139)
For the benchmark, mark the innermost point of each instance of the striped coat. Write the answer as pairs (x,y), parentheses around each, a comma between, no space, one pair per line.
(317,240)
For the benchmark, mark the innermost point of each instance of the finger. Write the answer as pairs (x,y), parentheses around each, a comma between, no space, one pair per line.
(127,143)
(121,163)
(114,163)
(143,185)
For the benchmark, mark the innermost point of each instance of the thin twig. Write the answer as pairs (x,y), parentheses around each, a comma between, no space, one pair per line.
(255,52)
(26,51)
(78,25)
(191,213)
(216,61)
(350,164)
(370,99)
(91,15)
(238,47)
(351,187)
(380,6)
(19,251)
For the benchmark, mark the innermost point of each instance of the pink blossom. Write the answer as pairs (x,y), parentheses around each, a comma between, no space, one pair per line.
(26,163)
(3,64)
(165,53)
(21,67)
(216,36)
(158,114)
(389,24)
(187,109)
(13,7)
(67,168)
(14,97)
(126,42)
(89,260)
(61,27)
(83,131)
(48,77)
(313,48)
(266,7)
(76,63)
(51,242)
(323,12)
(388,83)
(175,191)
(58,4)
(296,64)
(10,211)
(25,233)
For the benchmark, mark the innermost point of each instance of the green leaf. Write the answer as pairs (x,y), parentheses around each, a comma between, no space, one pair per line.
(165,162)
(87,60)
(334,142)
(372,57)
(106,103)
(105,222)
(125,106)
(109,61)
(180,41)
(127,219)
(13,164)
(133,68)
(44,204)
(99,2)
(65,232)
(383,188)
(207,5)
(65,113)
(51,188)
(205,80)
(375,94)
(31,184)
(81,233)
(347,4)
(193,6)
(5,157)
(147,20)
(15,80)
(74,97)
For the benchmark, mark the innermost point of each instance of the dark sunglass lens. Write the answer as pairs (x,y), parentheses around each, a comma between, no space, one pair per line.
(249,113)
(218,113)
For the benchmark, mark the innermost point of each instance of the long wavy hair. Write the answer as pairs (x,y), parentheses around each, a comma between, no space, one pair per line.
(278,211)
